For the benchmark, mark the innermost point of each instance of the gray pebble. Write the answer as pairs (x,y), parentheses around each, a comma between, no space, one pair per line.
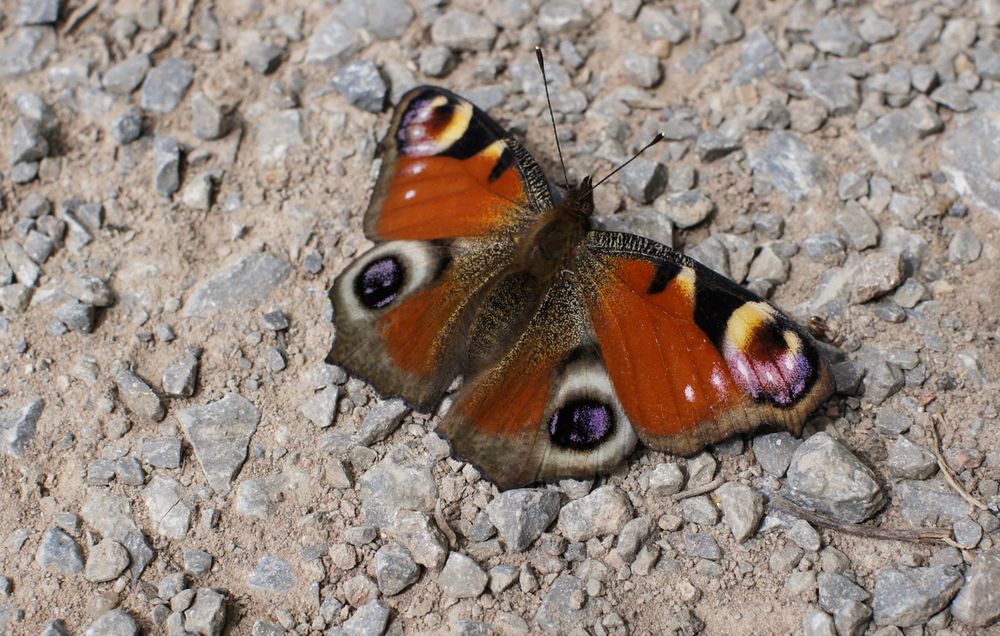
(910,461)
(644,71)
(27,143)
(911,596)
(164,452)
(166,165)
(276,359)
(381,420)
(59,552)
(127,75)
(662,24)
(521,515)
(321,409)
(978,604)
(952,96)
(682,178)
(26,50)
(774,452)
(114,623)
(560,609)
(827,477)
(362,84)
(562,17)
(879,273)
(802,534)
(460,29)
(758,58)
(893,421)
(964,248)
(163,499)
(24,172)
(15,298)
(128,470)
(632,538)
(37,12)
(395,569)
(769,114)
(742,509)
(967,533)
(166,84)
(605,511)
(837,589)
(856,226)
(106,561)
(207,120)
(462,577)
(665,479)
(700,510)
(138,397)
(644,179)
(180,378)
(838,36)
(33,206)
(720,27)
(220,433)
(26,271)
(273,574)
(818,623)
(702,546)
(924,33)
(264,57)
(717,143)
(244,285)
(332,41)
(207,615)
(852,186)
(371,618)
(398,482)
(788,165)
(686,209)
(274,321)
(126,127)
(90,289)
(100,472)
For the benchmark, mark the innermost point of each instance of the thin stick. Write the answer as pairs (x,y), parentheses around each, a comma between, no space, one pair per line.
(949,475)
(552,117)
(700,490)
(656,139)
(916,535)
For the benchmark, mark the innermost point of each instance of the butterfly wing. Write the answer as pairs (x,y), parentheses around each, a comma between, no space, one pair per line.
(694,357)
(633,342)
(450,171)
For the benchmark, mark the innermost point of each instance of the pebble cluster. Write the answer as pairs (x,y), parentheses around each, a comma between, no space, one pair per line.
(182,181)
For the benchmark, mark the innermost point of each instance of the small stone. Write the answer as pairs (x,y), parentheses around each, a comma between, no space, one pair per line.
(665,479)
(826,477)
(395,569)
(702,546)
(662,24)
(166,84)
(520,516)
(399,481)
(381,420)
(332,42)
(910,461)
(76,316)
(243,285)
(644,71)
(17,427)
(126,127)
(716,144)
(90,290)
(114,623)
(978,604)
(686,209)
(644,179)
(164,452)
(274,321)
(892,421)
(875,28)
(836,589)
(462,577)
(27,143)
(37,12)
(924,33)
(562,607)
(769,266)
(106,561)
(789,165)
(264,57)
(856,226)
(138,397)
(424,541)
(127,75)
(207,119)
(460,29)
(911,596)
(370,618)
(774,452)
(603,512)
(170,513)
(388,19)
(852,186)
(802,534)
(273,574)
(818,623)
(436,61)
(879,273)
(742,509)
(632,538)
(128,470)
(967,533)
(180,377)
(220,433)
(207,615)
(322,408)
(952,96)
(837,35)
(700,510)
(964,248)
(26,50)
(25,270)
(167,162)
(59,552)
(362,85)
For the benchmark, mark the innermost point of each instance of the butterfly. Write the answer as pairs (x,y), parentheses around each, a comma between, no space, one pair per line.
(573,344)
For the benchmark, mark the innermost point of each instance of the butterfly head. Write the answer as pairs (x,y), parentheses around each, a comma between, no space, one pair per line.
(579,200)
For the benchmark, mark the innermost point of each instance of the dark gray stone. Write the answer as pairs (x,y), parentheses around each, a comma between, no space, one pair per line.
(362,84)
(562,607)
(702,546)
(774,452)
(521,515)
(207,614)
(166,165)
(832,86)
(644,179)
(910,461)
(114,623)
(220,434)
(17,427)
(369,619)
(59,552)
(243,285)
(273,574)
(827,477)
(27,143)
(179,378)
(395,569)
(380,421)
(166,84)
(126,127)
(126,76)
(164,452)
(836,589)
(906,597)
(978,603)
(138,397)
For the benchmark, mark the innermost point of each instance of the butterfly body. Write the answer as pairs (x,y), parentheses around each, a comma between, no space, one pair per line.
(573,344)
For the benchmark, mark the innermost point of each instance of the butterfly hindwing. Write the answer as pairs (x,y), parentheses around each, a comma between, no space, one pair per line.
(450,171)
(693,356)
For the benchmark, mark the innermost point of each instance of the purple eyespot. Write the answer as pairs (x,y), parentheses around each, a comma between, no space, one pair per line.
(379,282)
(581,424)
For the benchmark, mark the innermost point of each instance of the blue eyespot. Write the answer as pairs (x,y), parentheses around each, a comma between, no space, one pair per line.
(581,424)
(379,282)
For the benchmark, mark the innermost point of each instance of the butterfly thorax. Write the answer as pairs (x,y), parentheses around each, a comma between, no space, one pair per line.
(555,235)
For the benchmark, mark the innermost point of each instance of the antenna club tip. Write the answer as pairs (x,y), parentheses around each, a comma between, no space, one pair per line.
(658,138)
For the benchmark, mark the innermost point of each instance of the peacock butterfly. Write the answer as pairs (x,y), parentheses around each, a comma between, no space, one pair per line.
(574,344)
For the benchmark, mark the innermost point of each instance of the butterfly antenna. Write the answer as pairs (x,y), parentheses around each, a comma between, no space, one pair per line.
(552,117)
(656,139)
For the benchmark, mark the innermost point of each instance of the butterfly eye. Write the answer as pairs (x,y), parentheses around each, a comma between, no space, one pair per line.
(581,424)
(379,282)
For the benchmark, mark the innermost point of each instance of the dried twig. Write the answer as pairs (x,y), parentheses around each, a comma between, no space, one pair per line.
(79,14)
(444,526)
(700,490)
(916,535)
(949,474)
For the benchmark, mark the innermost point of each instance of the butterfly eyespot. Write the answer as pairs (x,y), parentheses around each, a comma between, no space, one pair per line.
(379,282)
(581,424)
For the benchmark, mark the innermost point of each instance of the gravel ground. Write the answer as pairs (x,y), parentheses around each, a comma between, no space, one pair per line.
(181,181)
